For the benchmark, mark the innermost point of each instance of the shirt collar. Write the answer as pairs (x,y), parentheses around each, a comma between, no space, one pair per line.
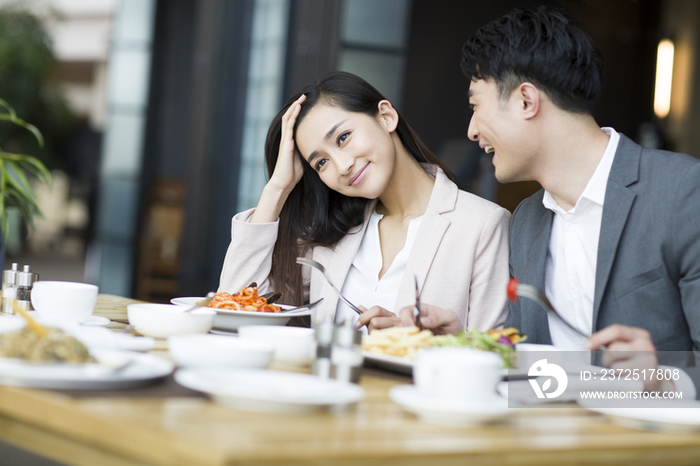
(597,185)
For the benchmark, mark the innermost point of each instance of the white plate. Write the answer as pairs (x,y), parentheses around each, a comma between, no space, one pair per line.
(230,333)
(143,369)
(392,363)
(188,301)
(269,391)
(91,336)
(230,320)
(663,415)
(10,323)
(405,366)
(449,412)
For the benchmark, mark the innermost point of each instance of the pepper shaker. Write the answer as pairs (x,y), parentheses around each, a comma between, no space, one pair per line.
(9,288)
(25,281)
(346,355)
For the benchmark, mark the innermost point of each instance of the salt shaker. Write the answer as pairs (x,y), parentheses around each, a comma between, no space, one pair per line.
(25,281)
(9,288)
(346,355)
(324,342)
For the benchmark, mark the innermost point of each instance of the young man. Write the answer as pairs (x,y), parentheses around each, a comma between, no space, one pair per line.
(614,237)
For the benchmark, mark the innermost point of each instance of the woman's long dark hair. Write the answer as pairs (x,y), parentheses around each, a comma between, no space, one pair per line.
(313,214)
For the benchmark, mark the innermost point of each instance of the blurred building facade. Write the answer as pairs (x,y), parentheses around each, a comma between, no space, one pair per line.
(190,86)
(79,35)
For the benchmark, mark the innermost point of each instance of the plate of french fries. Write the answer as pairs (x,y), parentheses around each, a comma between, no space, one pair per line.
(395,348)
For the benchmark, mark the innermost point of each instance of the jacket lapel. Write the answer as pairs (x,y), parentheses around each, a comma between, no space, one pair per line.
(618,203)
(337,261)
(430,233)
(533,317)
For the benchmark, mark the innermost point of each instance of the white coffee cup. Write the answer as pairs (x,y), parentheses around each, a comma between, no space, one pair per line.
(457,373)
(64,302)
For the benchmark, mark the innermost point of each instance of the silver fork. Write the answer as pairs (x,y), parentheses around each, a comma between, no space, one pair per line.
(203,303)
(515,289)
(322,269)
(303,307)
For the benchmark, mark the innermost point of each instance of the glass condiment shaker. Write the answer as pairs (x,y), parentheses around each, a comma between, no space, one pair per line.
(324,343)
(346,355)
(9,288)
(25,281)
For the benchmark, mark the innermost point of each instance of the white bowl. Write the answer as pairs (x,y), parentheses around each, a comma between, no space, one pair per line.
(293,345)
(64,302)
(219,351)
(164,320)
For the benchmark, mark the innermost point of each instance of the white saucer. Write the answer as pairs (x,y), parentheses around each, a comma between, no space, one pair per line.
(269,390)
(449,412)
(659,414)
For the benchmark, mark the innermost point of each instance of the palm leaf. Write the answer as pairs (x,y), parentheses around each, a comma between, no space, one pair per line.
(28,210)
(8,107)
(4,221)
(17,178)
(28,126)
(31,164)
(15,188)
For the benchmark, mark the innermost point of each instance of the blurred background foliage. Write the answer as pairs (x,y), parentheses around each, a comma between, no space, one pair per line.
(27,66)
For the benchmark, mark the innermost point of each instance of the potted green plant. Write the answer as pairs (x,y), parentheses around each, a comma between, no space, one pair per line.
(15,189)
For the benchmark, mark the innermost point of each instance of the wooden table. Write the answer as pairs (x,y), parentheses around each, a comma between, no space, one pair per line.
(191,430)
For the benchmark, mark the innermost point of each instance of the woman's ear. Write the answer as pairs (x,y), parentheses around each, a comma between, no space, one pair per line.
(387,115)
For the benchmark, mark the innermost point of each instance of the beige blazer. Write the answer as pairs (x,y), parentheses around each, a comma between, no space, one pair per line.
(460,257)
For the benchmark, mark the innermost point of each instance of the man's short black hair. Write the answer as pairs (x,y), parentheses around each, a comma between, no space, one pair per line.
(544,47)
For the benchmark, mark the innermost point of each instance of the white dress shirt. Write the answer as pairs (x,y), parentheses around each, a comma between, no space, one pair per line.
(362,285)
(573,254)
(572,257)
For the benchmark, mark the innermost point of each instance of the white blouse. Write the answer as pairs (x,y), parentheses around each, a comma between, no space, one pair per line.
(362,285)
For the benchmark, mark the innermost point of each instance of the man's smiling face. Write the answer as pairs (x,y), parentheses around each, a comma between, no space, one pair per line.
(497,125)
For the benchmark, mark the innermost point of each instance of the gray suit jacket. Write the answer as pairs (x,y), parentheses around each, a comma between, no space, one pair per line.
(648,271)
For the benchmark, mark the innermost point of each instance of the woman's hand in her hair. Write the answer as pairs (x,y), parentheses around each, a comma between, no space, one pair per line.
(288,170)
(376,318)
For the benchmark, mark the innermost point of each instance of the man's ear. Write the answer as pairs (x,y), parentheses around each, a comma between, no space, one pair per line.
(530,99)
(387,115)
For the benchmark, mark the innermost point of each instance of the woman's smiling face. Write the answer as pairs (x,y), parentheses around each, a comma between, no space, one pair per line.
(353,153)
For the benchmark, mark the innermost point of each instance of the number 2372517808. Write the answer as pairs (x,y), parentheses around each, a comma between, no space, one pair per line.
(632,374)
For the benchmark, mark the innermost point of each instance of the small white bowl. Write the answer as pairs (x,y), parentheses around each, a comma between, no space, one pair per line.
(64,302)
(164,320)
(293,345)
(219,351)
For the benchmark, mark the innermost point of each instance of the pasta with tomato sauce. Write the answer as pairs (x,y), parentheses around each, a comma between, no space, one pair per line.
(245,300)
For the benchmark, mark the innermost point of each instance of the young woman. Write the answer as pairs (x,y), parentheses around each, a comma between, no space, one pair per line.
(353,187)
